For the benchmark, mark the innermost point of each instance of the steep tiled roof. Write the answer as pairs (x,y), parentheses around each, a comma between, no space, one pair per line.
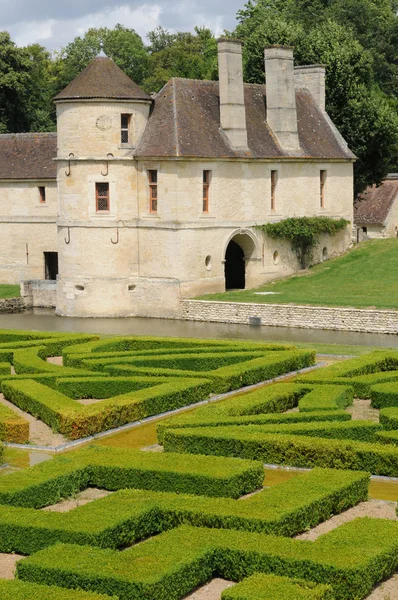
(28,156)
(186,122)
(375,202)
(102,78)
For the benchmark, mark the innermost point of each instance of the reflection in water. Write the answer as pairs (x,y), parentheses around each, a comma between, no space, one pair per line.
(46,320)
(21,459)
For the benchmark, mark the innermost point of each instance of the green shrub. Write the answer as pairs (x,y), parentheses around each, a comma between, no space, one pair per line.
(327,397)
(359,373)
(23,590)
(255,407)
(67,416)
(389,418)
(274,587)
(285,449)
(128,516)
(117,468)
(387,437)
(384,395)
(351,559)
(13,427)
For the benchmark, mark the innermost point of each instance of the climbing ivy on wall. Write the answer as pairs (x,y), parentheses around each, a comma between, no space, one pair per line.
(303,233)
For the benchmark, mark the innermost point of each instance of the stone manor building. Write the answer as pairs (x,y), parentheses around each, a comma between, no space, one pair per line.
(140,201)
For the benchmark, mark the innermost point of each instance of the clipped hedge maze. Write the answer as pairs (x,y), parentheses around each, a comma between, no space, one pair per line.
(127,379)
(190,530)
(320,434)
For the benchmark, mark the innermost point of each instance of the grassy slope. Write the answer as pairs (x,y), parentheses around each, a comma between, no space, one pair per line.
(367,276)
(9,291)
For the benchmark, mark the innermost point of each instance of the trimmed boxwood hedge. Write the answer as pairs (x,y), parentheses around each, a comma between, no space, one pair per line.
(118,468)
(228,371)
(384,395)
(352,559)
(359,373)
(285,449)
(13,427)
(24,590)
(127,516)
(257,407)
(72,419)
(273,587)
(389,418)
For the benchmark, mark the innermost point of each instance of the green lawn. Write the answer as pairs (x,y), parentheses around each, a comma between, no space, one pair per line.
(9,291)
(367,276)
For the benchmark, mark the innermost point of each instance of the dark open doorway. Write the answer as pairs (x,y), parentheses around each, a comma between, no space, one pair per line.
(234,267)
(50,265)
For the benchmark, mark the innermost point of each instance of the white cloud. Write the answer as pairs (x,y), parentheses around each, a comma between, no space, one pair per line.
(54,33)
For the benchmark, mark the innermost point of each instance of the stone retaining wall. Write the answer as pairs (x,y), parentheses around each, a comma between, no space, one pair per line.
(12,305)
(288,315)
(39,293)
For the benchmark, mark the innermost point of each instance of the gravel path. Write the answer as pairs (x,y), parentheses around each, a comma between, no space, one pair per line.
(79,499)
(362,411)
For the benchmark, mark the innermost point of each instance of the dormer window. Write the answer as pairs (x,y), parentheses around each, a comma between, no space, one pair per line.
(125,129)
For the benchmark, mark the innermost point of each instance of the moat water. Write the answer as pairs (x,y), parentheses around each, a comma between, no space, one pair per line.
(45,320)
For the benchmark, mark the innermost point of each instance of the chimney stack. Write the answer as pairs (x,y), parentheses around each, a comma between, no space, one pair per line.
(312,77)
(281,96)
(232,103)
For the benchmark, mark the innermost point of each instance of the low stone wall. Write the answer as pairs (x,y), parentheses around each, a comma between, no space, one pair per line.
(39,293)
(12,305)
(288,315)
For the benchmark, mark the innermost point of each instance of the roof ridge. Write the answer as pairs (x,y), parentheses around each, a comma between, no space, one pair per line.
(175,118)
(27,135)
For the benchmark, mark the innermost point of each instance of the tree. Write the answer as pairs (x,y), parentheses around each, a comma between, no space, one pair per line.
(40,90)
(15,68)
(184,54)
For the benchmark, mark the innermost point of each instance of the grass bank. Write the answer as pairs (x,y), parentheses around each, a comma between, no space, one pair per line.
(365,277)
(9,291)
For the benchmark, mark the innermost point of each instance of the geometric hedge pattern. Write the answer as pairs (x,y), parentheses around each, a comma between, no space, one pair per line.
(184,506)
(127,379)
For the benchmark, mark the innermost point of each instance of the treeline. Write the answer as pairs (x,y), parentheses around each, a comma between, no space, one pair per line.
(357,41)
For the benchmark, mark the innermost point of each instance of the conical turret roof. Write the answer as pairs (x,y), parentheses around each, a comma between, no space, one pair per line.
(102,78)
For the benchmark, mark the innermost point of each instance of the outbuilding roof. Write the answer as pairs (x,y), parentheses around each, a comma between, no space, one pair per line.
(28,156)
(186,122)
(102,78)
(375,203)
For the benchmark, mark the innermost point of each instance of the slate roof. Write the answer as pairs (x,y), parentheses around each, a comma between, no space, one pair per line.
(102,78)
(28,156)
(376,202)
(186,122)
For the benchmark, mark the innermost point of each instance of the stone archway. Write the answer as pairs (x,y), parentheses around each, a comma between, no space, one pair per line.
(240,249)
(235,276)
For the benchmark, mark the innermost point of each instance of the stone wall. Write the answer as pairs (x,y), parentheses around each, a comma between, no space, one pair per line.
(280,315)
(12,305)
(39,293)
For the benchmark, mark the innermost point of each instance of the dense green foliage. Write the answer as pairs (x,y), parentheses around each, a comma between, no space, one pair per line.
(303,233)
(352,559)
(24,590)
(271,587)
(364,277)
(128,516)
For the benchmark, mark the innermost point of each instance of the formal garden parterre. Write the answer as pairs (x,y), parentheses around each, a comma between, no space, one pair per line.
(175,519)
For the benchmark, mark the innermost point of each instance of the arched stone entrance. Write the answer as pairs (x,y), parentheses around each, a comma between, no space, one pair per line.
(235,277)
(241,253)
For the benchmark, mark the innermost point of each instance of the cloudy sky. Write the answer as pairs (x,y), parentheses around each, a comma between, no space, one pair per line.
(53,23)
